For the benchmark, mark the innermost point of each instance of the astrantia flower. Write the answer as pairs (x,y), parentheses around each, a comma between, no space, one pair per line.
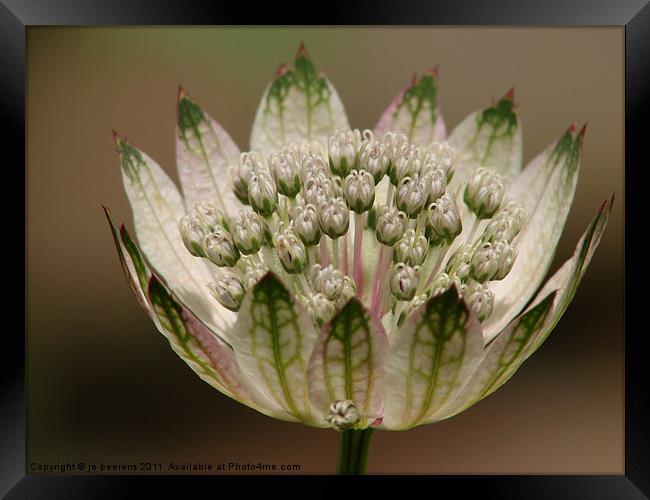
(354,279)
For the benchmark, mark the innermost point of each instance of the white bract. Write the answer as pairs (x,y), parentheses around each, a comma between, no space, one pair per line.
(345,278)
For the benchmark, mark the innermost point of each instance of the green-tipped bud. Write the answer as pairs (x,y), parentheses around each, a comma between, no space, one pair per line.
(249,232)
(374,158)
(484,193)
(318,189)
(343,151)
(440,284)
(239,185)
(210,215)
(334,217)
(193,232)
(492,261)
(228,290)
(411,195)
(444,221)
(220,248)
(507,256)
(411,248)
(286,172)
(506,223)
(479,298)
(359,190)
(403,281)
(291,251)
(391,224)
(262,194)
(305,224)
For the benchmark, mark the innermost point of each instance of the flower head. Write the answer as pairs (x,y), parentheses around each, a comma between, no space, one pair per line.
(345,278)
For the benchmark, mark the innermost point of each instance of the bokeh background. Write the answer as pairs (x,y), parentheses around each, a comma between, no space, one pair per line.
(103,385)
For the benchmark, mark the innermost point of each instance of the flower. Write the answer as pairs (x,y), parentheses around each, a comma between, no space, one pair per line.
(351,279)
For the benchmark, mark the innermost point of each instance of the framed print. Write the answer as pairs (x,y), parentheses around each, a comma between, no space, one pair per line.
(393,248)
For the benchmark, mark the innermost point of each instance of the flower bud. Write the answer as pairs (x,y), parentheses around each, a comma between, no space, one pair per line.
(193,232)
(343,151)
(437,181)
(444,220)
(291,251)
(411,195)
(444,155)
(343,414)
(286,172)
(402,164)
(254,271)
(228,290)
(359,190)
(239,186)
(441,284)
(484,193)
(317,189)
(249,163)
(403,281)
(314,165)
(507,256)
(506,223)
(393,141)
(374,158)
(321,308)
(262,193)
(479,298)
(220,248)
(411,249)
(210,215)
(249,232)
(305,224)
(484,263)
(328,281)
(334,217)
(459,262)
(349,290)
(391,224)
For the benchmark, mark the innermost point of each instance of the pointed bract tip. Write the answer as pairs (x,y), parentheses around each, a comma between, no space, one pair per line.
(414,79)
(510,95)
(611,201)
(182,93)
(583,129)
(106,210)
(433,71)
(302,51)
(282,69)
(572,128)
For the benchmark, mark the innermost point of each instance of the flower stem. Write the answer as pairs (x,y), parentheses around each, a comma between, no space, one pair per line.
(353,451)
(358,240)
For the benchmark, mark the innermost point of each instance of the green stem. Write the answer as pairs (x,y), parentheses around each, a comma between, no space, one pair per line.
(353,451)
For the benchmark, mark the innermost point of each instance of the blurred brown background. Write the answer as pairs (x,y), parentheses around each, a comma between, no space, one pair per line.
(103,385)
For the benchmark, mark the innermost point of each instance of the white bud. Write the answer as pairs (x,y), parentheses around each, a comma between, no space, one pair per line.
(343,151)
(193,232)
(254,271)
(286,172)
(305,224)
(484,193)
(328,281)
(437,181)
(444,155)
(291,251)
(262,193)
(506,223)
(411,248)
(239,185)
(334,217)
(359,190)
(220,248)
(250,163)
(507,256)
(459,263)
(349,291)
(441,284)
(210,215)
(393,141)
(402,165)
(403,281)
(391,224)
(314,165)
(228,290)
(320,308)
(484,263)
(249,232)
(343,414)
(374,158)
(444,221)
(317,189)
(411,195)
(479,298)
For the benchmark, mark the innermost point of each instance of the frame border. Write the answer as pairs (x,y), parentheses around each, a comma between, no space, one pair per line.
(633,15)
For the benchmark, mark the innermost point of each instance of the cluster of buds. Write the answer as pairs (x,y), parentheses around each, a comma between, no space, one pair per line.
(303,195)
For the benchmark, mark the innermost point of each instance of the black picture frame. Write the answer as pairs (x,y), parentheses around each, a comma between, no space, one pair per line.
(633,15)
